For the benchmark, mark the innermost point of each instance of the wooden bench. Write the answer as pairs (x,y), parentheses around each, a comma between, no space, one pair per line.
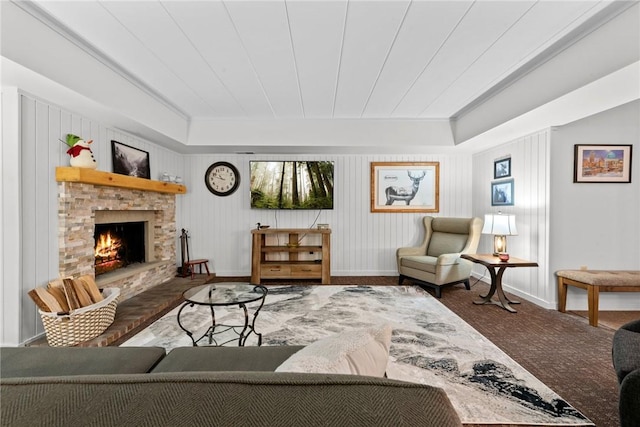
(595,281)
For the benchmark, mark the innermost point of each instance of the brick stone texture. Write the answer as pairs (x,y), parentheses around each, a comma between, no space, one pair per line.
(77,204)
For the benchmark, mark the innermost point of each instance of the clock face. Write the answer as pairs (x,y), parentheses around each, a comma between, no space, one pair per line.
(222,178)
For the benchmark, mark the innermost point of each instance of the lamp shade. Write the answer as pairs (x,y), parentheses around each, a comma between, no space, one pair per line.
(502,225)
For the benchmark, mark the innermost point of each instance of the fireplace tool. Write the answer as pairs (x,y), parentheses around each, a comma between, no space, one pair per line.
(184,270)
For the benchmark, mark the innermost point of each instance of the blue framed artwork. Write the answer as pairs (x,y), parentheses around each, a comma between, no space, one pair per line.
(502,168)
(502,193)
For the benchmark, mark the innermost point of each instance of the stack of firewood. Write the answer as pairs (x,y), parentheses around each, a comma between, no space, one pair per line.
(62,296)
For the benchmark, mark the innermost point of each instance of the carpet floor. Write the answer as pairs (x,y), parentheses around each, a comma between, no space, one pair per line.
(560,349)
(430,345)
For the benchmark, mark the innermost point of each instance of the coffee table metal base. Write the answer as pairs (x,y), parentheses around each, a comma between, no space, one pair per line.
(243,330)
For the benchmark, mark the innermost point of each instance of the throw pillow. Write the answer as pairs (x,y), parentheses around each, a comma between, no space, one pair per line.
(355,352)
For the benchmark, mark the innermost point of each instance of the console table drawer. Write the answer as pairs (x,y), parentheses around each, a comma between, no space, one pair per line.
(291,270)
(306,270)
(275,270)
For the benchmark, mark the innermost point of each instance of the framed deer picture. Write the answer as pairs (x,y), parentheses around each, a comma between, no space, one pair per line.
(405,186)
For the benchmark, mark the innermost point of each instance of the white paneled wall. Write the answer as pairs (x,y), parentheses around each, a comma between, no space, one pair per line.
(363,243)
(42,125)
(530,172)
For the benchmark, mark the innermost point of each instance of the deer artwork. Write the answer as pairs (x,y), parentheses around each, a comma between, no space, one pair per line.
(403,193)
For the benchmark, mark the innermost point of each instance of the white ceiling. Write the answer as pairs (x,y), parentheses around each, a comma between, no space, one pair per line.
(320,59)
(297,59)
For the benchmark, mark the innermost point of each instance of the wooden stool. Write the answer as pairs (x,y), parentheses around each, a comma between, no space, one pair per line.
(200,262)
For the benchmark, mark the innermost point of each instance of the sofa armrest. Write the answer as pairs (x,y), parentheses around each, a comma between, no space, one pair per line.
(625,352)
(629,404)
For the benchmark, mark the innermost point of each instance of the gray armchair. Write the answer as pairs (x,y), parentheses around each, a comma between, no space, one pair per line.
(436,262)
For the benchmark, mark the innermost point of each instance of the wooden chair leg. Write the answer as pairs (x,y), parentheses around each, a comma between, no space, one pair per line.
(562,295)
(593,296)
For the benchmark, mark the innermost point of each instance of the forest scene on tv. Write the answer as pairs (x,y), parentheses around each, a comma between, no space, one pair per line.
(291,185)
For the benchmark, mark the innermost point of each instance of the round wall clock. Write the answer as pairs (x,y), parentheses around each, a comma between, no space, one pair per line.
(222,178)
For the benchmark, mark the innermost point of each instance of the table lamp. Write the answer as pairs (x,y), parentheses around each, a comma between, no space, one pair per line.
(500,226)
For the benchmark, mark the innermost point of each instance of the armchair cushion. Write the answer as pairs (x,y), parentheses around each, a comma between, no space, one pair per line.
(423,262)
(446,243)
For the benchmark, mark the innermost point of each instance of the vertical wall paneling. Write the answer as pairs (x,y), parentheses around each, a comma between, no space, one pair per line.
(41,126)
(363,243)
(29,213)
(10,267)
(41,199)
(529,170)
(54,157)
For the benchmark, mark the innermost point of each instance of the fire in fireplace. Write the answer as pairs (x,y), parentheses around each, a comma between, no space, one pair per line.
(118,245)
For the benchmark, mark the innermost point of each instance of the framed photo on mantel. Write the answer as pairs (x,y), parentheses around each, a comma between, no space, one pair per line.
(130,161)
(602,163)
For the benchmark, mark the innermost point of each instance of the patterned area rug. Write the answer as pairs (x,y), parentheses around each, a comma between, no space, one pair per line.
(430,345)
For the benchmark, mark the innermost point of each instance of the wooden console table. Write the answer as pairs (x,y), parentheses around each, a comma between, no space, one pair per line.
(496,269)
(294,267)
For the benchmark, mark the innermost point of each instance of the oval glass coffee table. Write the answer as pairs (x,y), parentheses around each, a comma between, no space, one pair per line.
(225,294)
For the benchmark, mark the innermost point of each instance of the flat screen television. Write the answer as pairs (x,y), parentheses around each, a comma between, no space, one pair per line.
(291,184)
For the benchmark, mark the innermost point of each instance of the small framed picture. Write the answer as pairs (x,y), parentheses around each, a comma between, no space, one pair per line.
(502,168)
(602,163)
(502,193)
(130,161)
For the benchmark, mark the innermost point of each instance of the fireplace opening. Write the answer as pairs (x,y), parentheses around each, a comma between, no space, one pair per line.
(118,245)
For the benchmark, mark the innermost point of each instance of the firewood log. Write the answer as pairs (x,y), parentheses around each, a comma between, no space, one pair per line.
(70,292)
(91,287)
(44,300)
(83,296)
(58,294)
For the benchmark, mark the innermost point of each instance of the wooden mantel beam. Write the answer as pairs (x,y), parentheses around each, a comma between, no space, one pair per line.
(95,177)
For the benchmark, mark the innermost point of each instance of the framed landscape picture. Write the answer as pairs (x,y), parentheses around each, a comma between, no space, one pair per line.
(502,168)
(502,193)
(405,186)
(130,161)
(602,163)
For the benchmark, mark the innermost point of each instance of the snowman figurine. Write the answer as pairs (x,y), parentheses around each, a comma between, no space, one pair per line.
(81,154)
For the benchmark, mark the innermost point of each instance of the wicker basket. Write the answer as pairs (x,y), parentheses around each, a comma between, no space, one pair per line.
(81,324)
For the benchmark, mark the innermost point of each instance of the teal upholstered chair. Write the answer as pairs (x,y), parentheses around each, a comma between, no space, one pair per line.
(436,262)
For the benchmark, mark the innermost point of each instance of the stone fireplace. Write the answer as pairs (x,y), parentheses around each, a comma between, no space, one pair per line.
(123,239)
(82,205)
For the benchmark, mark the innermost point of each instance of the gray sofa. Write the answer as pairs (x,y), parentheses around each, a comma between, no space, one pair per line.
(626,361)
(222,386)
